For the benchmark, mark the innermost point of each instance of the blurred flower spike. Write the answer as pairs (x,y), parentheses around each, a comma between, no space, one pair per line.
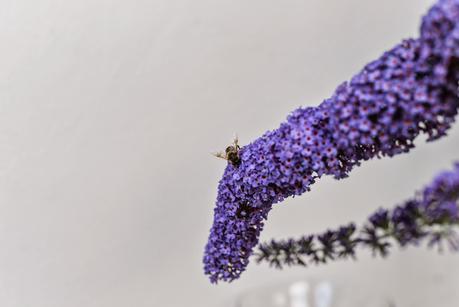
(431,216)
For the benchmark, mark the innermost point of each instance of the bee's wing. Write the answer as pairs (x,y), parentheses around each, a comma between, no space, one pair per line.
(236,140)
(219,155)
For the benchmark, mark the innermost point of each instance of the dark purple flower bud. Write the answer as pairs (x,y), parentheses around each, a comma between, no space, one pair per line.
(380,219)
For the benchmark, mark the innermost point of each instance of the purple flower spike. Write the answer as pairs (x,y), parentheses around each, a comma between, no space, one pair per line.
(431,216)
(409,90)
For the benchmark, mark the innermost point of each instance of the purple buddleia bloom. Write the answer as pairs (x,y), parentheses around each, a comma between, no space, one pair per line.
(409,90)
(431,216)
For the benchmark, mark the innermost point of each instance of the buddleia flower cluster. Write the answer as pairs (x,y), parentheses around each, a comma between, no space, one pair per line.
(431,216)
(410,90)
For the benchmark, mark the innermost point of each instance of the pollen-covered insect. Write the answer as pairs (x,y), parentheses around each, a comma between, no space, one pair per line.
(231,153)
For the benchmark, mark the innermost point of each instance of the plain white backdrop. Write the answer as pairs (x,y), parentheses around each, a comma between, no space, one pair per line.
(109,110)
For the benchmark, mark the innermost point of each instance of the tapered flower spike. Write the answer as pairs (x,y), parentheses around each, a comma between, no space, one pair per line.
(431,216)
(409,90)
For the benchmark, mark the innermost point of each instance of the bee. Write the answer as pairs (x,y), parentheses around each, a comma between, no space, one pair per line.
(231,153)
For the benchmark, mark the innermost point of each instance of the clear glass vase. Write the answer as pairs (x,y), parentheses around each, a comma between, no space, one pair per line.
(301,293)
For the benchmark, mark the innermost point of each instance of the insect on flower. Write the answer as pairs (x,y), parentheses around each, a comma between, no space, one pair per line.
(231,153)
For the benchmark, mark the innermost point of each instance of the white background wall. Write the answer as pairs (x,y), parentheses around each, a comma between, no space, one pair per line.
(108,113)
